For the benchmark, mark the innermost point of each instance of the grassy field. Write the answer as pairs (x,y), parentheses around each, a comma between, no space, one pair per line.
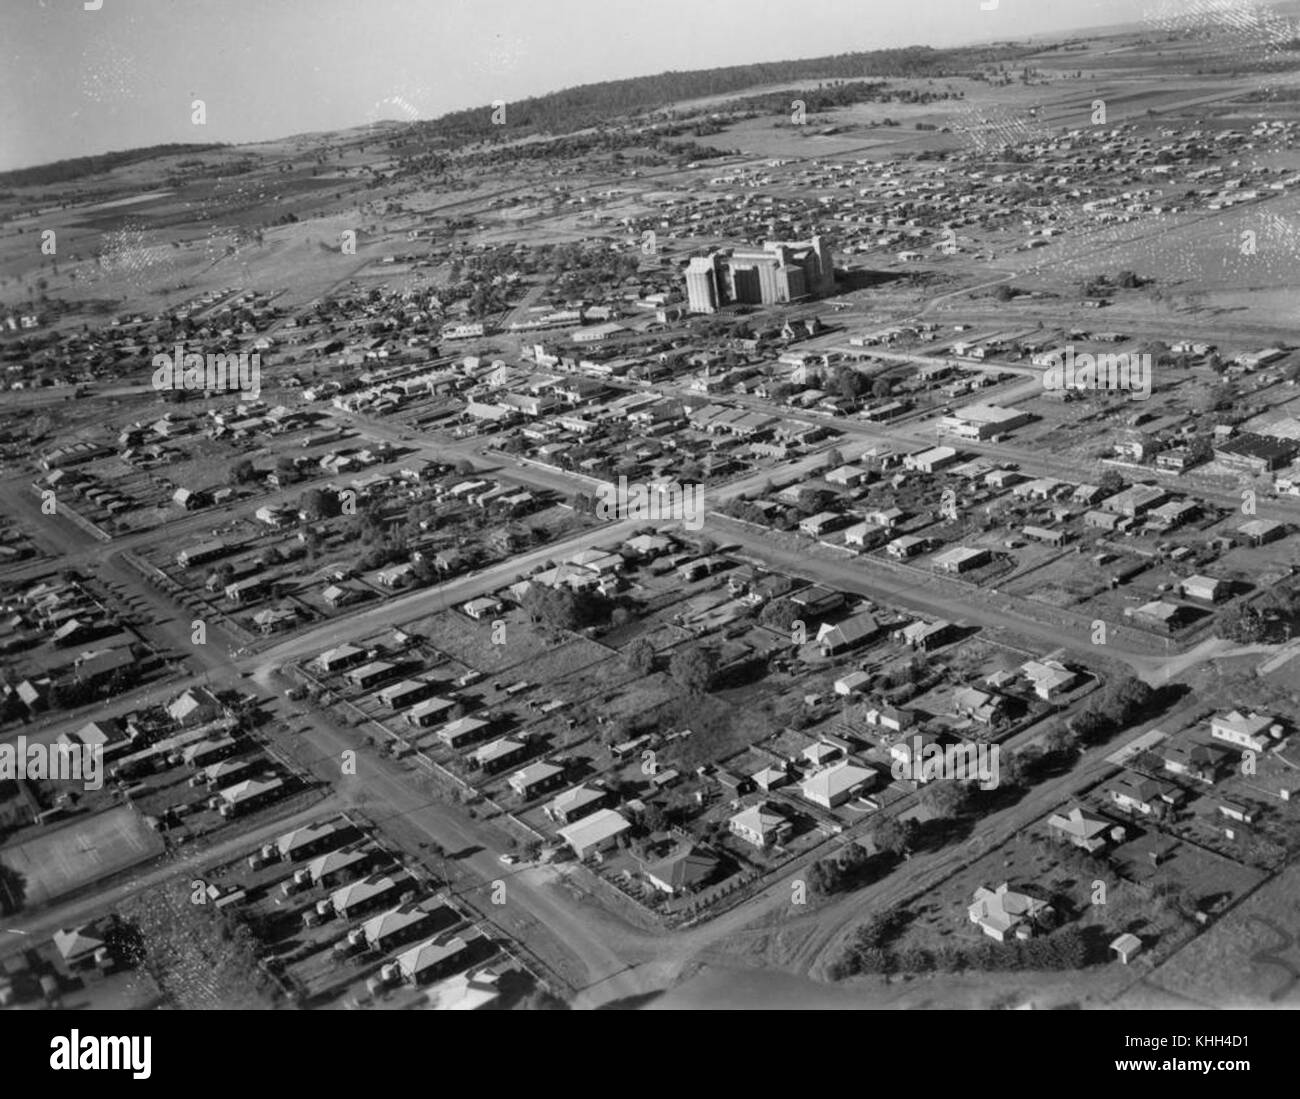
(1250,959)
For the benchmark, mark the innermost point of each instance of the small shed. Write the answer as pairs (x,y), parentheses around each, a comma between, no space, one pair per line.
(1126,947)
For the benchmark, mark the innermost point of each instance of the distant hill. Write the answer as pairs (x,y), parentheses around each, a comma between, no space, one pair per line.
(600,104)
(64,171)
(595,105)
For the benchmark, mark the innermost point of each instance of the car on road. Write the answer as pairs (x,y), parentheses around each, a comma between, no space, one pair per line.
(509,860)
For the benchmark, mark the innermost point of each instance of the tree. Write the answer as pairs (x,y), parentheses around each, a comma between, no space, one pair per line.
(1124,700)
(1111,482)
(850,382)
(1216,397)
(242,472)
(1245,625)
(1059,740)
(640,657)
(318,504)
(780,615)
(893,837)
(1014,768)
(881,388)
(822,878)
(1089,726)
(945,800)
(693,668)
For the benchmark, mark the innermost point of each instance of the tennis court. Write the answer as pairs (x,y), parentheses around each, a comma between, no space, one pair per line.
(80,852)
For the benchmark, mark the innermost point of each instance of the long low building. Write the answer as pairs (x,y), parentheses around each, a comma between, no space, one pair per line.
(983,421)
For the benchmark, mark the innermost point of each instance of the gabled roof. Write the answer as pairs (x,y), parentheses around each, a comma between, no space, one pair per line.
(534,772)
(836,780)
(195,698)
(75,944)
(759,819)
(1002,909)
(358,892)
(575,799)
(593,829)
(496,750)
(1079,824)
(682,870)
(427,954)
(249,788)
(335,861)
(398,919)
(300,837)
(851,631)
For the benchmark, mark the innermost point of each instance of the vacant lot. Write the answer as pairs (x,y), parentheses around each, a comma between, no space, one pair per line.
(1250,959)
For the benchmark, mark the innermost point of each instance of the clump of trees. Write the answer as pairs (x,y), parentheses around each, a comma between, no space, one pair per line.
(639,658)
(1117,706)
(564,609)
(694,668)
(872,951)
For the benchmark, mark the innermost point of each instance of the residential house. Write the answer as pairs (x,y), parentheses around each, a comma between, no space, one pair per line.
(683,872)
(497,756)
(1207,589)
(1254,732)
(536,779)
(594,833)
(195,706)
(1049,678)
(574,804)
(1136,793)
(370,675)
(433,958)
(982,707)
(1202,762)
(1083,829)
(761,825)
(1002,911)
(429,712)
(340,659)
(837,784)
(848,634)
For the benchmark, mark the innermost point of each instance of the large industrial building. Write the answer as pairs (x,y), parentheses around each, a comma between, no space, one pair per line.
(780,271)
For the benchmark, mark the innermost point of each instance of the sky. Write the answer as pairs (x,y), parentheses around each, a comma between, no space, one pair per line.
(75,82)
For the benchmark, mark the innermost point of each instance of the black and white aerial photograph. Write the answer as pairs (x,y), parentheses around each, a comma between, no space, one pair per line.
(581,505)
